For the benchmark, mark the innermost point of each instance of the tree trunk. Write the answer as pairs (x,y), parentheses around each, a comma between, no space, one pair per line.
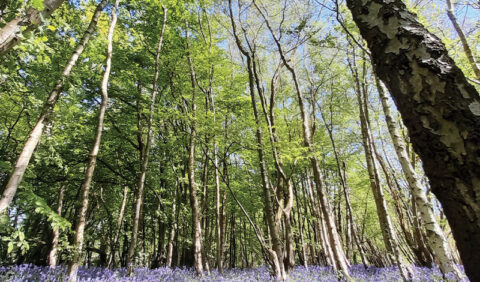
(300,222)
(435,236)
(85,190)
(196,214)
(334,240)
(217,197)
(13,32)
(439,107)
(145,152)
(276,255)
(119,226)
(171,236)
(389,236)
(36,132)
(52,256)
(463,39)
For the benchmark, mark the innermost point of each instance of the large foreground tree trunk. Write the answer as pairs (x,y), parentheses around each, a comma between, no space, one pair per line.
(439,107)
(13,32)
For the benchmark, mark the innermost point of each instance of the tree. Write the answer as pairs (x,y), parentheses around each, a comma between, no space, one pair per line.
(145,149)
(37,131)
(14,31)
(92,160)
(438,106)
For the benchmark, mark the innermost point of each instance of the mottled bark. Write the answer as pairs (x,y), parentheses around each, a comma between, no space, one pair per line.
(85,190)
(13,32)
(36,132)
(438,106)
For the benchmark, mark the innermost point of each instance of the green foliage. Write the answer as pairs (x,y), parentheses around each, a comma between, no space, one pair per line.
(42,208)
(317,47)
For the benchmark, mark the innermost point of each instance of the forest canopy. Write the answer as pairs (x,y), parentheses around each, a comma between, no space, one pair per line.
(241,133)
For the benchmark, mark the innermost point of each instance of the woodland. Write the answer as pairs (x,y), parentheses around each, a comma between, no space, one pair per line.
(239,140)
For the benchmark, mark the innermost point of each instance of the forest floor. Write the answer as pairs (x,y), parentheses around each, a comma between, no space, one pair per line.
(28,272)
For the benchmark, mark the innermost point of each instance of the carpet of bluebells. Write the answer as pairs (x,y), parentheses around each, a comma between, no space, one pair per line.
(28,272)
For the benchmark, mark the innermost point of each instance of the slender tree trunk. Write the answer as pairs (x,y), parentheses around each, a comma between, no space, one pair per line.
(119,226)
(350,230)
(52,256)
(196,214)
(204,212)
(354,233)
(334,240)
(217,196)
(284,197)
(463,39)
(171,236)
(388,232)
(13,32)
(145,152)
(435,236)
(85,190)
(326,255)
(300,222)
(276,255)
(438,106)
(36,132)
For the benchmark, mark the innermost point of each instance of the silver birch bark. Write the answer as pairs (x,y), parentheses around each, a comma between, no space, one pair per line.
(438,106)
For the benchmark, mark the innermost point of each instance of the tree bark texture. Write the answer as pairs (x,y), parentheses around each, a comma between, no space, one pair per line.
(438,106)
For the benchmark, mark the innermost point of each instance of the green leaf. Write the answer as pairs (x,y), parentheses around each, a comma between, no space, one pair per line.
(38,4)
(21,236)
(10,247)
